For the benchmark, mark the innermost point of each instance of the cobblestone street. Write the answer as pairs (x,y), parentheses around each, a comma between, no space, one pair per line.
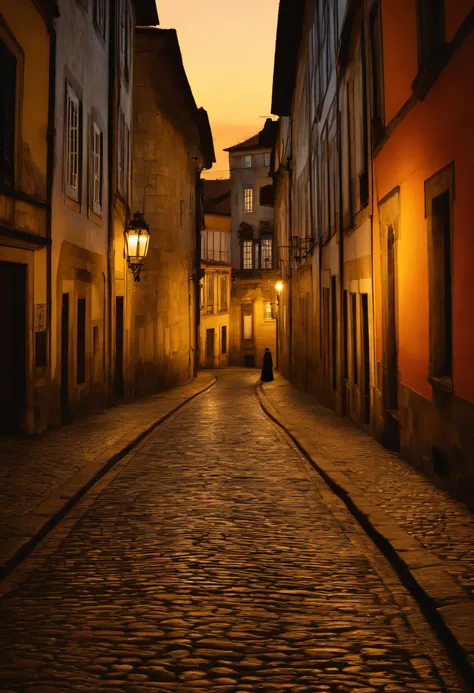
(214,557)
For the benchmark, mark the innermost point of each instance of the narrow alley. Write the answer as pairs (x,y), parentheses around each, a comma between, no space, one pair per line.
(214,557)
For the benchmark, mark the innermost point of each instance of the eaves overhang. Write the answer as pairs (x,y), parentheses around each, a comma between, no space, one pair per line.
(289,29)
(146,13)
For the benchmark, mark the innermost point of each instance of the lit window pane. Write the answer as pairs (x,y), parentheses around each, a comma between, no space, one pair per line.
(247,254)
(266,253)
(248,199)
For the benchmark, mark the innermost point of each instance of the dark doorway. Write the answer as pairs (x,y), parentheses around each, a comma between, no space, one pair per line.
(210,340)
(12,347)
(249,361)
(334,332)
(119,384)
(65,358)
(366,357)
(392,357)
(224,340)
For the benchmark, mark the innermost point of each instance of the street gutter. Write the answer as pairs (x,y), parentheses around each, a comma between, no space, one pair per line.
(51,511)
(445,605)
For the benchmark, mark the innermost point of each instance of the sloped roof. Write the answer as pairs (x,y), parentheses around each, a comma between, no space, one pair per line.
(262,140)
(146,13)
(217,197)
(289,28)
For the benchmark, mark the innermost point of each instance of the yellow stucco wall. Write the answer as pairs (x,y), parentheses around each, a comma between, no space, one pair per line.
(24,22)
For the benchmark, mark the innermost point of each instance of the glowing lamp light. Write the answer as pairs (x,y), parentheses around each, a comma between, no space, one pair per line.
(137,239)
(279,286)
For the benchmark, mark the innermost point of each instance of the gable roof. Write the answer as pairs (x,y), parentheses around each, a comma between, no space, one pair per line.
(262,140)
(216,197)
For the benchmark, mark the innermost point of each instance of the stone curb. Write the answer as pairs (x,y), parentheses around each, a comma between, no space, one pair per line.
(446,606)
(37,524)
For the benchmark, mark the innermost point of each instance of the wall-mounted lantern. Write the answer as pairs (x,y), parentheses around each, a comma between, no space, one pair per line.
(137,238)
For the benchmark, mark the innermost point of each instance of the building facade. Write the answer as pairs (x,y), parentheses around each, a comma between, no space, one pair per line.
(216,275)
(370,220)
(254,268)
(27,46)
(172,145)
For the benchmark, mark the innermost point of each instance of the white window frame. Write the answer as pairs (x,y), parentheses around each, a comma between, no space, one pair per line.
(267,311)
(247,254)
(247,161)
(223,293)
(100,13)
(121,152)
(97,169)
(266,252)
(72,145)
(248,199)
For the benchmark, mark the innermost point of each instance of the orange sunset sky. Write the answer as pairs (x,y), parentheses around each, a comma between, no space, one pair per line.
(228,50)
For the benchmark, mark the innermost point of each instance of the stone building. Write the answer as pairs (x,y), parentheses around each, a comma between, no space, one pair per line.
(27,40)
(216,271)
(254,267)
(370,220)
(172,145)
(91,201)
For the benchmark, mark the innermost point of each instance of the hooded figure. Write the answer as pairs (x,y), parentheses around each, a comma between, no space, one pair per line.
(267,370)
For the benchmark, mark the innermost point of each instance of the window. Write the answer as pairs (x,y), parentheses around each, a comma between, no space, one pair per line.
(247,161)
(248,199)
(72,149)
(126,161)
(430,15)
(266,253)
(210,293)
(375,36)
(266,157)
(8,93)
(247,325)
(267,311)
(223,293)
(355,362)
(224,339)
(440,287)
(128,40)
(81,341)
(99,16)
(97,168)
(247,255)
(121,152)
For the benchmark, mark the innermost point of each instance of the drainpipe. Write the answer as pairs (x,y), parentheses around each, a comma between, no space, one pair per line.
(108,318)
(290,263)
(49,193)
(197,273)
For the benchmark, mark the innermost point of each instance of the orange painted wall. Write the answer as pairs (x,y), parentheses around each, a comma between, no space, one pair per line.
(436,132)
(399,52)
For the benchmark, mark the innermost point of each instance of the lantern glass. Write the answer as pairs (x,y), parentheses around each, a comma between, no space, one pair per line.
(143,241)
(132,244)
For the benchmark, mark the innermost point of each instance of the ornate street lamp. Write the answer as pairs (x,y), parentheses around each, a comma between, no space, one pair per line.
(137,238)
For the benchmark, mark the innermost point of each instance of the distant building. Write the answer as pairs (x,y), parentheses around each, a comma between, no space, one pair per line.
(26,164)
(216,268)
(254,264)
(172,145)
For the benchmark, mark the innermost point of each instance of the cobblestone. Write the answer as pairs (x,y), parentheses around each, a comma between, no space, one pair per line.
(212,558)
(440,523)
(32,468)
